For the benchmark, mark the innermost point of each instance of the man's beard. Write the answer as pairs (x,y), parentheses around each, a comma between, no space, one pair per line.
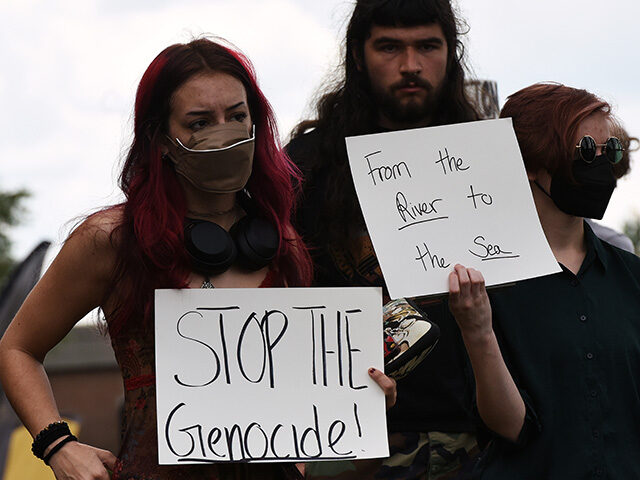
(407,111)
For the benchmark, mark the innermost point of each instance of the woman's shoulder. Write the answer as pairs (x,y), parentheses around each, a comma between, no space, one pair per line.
(94,241)
(99,229)
(82,270)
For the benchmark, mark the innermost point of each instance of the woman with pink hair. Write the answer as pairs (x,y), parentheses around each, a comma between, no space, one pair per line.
(209,199)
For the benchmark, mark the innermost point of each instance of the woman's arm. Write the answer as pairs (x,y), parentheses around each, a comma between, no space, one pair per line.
(74,285)
(499,402)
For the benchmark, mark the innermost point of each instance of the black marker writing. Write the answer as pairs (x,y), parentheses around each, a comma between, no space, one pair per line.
(328,355)
(413,212)
(484,197)
(427,258)
(255,441)
(452,163)
(355,414)
(267,343)
(216,358)
(335,438)
(385,172)
(260,335)
(489,251)
(350,351)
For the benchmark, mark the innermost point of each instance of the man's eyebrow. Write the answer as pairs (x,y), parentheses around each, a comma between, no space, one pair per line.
(380,40)
(393,40)
(437,40)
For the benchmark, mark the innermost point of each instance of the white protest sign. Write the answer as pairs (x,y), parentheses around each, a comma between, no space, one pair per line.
(434,197)
(268,375)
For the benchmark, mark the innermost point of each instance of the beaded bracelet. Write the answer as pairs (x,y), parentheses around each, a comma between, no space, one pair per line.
(58,446)
(47,436)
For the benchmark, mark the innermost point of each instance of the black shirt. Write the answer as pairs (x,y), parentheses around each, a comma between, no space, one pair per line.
(437,395)
(572,344)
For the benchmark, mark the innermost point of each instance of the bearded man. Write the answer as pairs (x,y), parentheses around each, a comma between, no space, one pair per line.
(403,68)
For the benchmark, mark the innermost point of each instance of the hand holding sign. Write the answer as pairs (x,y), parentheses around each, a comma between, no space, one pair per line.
(433,197)
(469,302)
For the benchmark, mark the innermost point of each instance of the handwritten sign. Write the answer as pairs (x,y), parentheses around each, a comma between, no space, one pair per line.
(268,375)
(434,197)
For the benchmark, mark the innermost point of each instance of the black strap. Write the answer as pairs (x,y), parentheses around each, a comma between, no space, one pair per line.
(58,446)
(48,435)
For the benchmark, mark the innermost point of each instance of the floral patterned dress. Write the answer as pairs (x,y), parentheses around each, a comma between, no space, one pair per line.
(138,457)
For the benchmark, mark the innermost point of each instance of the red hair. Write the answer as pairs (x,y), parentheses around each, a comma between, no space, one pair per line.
(150,251)
(546,117)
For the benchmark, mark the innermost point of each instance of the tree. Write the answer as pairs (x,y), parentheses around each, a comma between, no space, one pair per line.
(631,229)
(11,210)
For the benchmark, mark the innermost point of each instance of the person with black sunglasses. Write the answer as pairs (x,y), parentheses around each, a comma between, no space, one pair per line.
(603,232)
(556,358)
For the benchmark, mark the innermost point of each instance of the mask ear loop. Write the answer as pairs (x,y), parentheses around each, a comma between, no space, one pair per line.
(535,182)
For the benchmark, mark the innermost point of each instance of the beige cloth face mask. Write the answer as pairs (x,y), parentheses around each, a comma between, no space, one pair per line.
(216,159)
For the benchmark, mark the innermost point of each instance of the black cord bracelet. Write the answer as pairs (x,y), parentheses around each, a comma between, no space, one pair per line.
(47,436)
(47,457)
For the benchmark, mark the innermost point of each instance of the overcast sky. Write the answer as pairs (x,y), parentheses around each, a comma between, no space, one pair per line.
(70,69)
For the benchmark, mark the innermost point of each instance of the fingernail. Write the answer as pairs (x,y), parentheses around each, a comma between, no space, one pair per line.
(372,371)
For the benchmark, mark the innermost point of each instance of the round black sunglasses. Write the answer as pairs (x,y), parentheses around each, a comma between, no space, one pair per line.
(612,148)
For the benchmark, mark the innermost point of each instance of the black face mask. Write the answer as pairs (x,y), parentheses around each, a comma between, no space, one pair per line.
(588,197)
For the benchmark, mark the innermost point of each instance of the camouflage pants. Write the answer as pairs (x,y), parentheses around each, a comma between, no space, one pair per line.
(413,456)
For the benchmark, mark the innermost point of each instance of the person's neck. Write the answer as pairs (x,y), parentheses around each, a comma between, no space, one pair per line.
(565,233)
(220,208)
(392,125)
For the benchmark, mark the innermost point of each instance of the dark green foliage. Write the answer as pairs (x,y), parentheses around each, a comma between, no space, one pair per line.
(11,210)
(631,229)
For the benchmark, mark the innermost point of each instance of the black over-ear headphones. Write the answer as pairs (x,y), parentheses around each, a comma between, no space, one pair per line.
(252,243)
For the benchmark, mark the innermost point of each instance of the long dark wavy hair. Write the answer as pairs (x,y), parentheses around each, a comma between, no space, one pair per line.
(348,107)
(149,239)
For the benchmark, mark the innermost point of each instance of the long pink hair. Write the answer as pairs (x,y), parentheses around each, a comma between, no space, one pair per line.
(150,252)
